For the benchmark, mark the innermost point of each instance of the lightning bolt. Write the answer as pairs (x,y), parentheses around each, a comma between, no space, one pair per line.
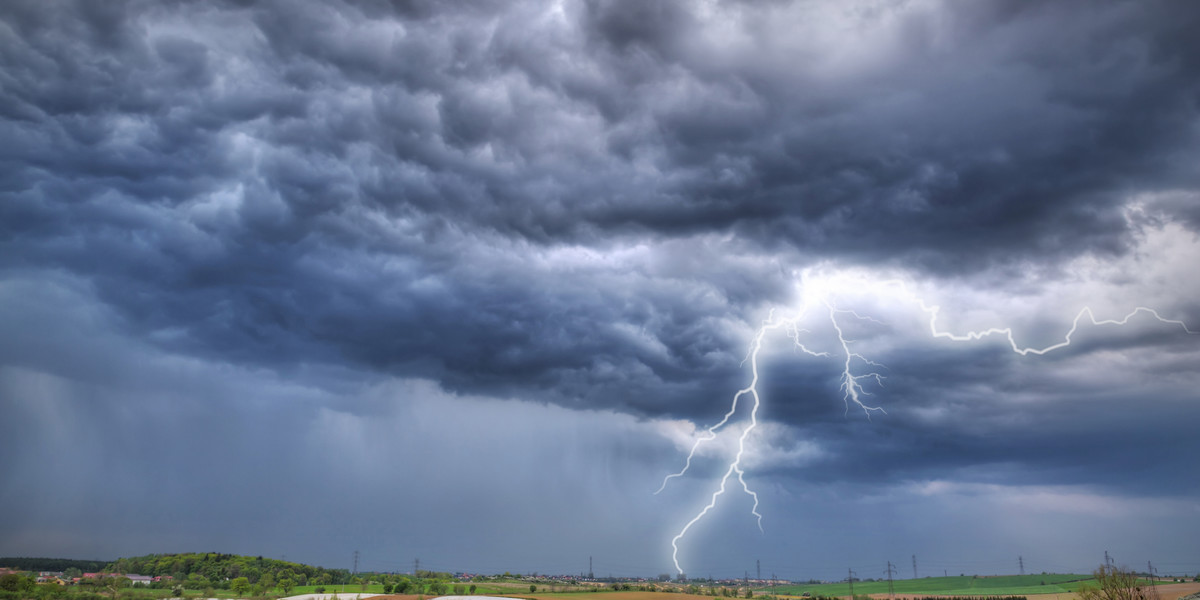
(856,369)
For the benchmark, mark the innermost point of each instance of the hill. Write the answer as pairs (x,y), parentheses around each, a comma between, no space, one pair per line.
(26,563)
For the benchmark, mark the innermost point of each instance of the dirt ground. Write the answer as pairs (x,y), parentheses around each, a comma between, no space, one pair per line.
(1166,591)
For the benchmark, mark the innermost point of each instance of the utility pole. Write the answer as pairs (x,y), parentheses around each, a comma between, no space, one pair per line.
(850,578)
(891,588)
(1153,583)
(1021,563)
(914,566)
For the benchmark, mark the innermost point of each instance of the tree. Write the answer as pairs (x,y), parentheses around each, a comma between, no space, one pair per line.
(472,588)
(1114,583)
(115,584)
(10,582)
(239,586)
(286,584)
(387,588)
(532,588)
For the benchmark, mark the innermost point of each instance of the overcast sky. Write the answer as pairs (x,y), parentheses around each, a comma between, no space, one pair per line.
(465,281)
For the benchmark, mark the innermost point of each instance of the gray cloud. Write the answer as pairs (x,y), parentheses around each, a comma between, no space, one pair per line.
(592,205)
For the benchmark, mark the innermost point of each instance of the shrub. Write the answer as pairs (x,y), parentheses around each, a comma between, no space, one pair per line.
(1114,584)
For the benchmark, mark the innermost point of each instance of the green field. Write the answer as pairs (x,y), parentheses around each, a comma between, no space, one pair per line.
(1004,585)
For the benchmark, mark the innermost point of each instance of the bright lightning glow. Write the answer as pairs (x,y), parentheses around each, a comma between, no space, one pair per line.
(856,368)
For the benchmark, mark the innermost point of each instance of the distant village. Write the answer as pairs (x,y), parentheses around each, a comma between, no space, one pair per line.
(68,578)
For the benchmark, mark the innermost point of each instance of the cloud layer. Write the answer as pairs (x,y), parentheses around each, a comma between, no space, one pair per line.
(248,220)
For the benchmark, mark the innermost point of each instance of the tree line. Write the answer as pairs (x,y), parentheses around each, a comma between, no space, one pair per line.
(198,570)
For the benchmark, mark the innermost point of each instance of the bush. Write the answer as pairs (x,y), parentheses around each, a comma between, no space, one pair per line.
(1114,584)
(320,589)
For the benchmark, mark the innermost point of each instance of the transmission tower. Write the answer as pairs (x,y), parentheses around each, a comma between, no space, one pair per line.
(758,569)
(1021,563)
(850,579)
(891,588)
(914,566)
(355,572)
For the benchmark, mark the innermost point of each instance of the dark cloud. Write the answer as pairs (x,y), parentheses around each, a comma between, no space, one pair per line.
(592,205)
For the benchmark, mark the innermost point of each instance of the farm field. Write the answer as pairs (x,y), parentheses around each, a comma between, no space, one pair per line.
(607,595)
(1063,590)
(963,585)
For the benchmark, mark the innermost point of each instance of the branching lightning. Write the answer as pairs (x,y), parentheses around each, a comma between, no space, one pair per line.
(856,369)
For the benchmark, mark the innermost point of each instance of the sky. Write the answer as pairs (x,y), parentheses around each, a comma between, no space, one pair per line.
(464,282)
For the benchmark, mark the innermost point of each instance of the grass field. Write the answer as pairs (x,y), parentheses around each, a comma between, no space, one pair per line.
(1005,585)
(481,588)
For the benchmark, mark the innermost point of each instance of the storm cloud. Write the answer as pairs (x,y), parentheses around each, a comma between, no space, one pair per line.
(264,229)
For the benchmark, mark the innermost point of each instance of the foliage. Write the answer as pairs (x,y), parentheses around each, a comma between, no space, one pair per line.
(240,585)
(52,564)
(1113,583)
(199,570)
